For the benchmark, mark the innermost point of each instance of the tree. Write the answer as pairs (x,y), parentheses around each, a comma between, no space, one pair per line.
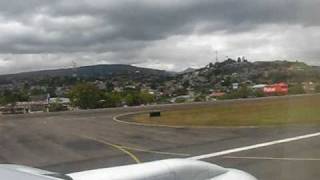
(86,96)
(242,92)
(37,91)
(147,98)
(11,97)
(296,89)
(112,99)
(259,93)
(55,107)
(200,98)
(180,100)
(239,59)
(132,99)
(244,59)
(138,98)
(318,89)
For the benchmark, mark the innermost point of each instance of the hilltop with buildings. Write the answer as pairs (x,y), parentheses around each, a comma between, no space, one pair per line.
(231,75)
(103,86)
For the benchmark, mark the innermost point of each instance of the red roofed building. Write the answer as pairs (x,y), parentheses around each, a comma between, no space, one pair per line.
(276,89)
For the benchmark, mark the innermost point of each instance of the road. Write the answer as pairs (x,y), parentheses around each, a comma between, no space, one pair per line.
(75,141)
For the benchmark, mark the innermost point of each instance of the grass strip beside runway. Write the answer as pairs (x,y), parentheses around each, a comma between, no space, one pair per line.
(274,111)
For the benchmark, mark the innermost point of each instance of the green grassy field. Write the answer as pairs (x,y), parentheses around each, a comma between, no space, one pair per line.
(276,111)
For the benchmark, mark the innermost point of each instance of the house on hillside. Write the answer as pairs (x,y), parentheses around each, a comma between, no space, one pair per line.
(309,87)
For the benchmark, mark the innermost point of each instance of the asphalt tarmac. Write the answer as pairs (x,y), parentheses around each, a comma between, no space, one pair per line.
(82,140)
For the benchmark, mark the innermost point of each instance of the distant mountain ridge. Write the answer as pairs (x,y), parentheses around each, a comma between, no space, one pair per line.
(102,70)
(188,70)
(218,74)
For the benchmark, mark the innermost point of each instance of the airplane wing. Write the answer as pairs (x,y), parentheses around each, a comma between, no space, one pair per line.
(172,169)
(17,172)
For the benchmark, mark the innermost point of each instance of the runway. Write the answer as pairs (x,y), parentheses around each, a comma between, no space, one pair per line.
(75,141)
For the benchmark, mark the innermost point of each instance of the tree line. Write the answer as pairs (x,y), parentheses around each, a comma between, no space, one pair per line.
(88,96)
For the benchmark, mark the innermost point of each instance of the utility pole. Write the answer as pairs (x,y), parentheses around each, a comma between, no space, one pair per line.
(217,60)
(74,69)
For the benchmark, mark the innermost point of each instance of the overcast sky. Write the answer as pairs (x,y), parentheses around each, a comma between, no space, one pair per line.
(164,34)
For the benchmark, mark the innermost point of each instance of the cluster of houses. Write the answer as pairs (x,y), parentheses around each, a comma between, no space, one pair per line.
(41,105)
(266,89)
(279,89)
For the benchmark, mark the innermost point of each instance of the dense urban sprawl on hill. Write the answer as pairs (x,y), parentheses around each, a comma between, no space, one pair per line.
(103,86)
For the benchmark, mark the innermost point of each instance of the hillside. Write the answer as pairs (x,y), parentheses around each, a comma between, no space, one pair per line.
(95,71)
(221,75)
(218,76)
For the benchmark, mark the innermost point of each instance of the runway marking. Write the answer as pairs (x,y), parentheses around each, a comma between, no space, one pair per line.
(135,158)
(116,119)
(155,152)
(256,146)
(148,151)
(272,158)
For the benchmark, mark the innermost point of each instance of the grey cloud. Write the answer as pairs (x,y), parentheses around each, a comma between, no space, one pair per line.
(145,21)
(125,31)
